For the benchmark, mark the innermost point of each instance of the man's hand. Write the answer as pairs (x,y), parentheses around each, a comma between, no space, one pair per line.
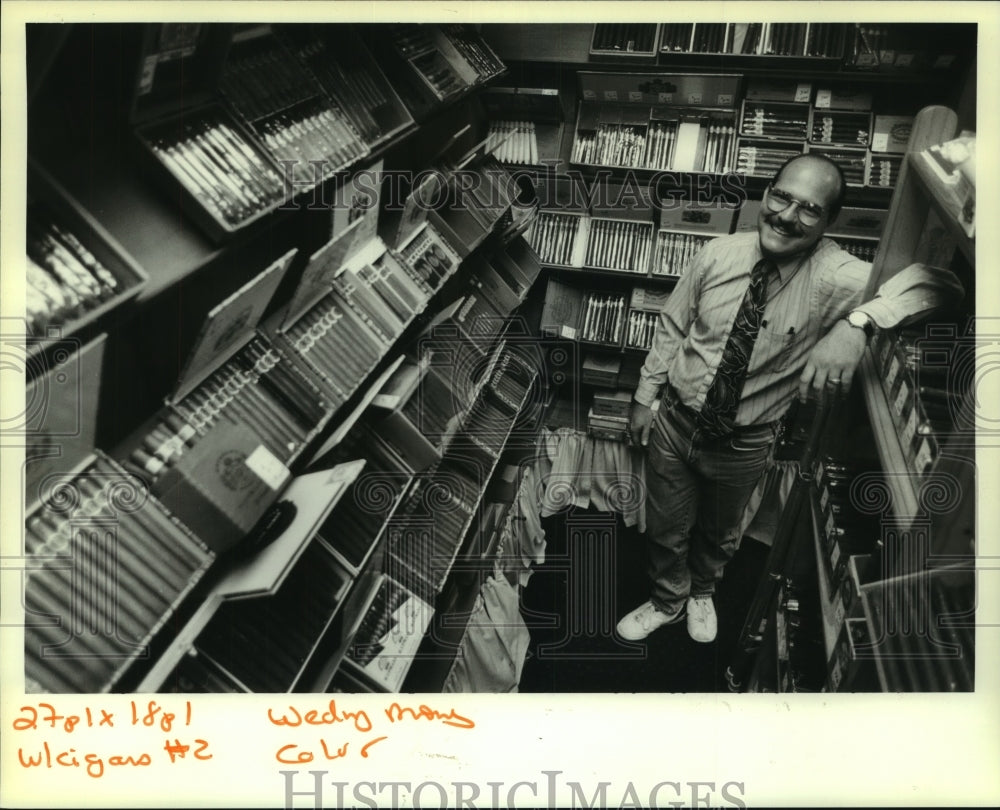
(640,422)
(833,360)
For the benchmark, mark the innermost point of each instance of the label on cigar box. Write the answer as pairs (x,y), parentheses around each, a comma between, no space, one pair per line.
(267,467)
(648,300)
(842,99)
(891,133)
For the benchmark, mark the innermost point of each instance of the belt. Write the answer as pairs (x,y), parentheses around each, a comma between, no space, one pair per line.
(687,418)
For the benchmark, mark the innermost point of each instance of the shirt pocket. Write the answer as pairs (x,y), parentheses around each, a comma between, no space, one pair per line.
(775,346)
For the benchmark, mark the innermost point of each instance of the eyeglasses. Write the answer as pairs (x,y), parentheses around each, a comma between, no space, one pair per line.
(777,200)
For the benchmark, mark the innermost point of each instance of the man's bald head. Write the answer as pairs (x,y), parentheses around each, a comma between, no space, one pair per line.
(829,178)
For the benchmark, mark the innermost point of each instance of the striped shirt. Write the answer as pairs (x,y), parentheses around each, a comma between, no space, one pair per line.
(805,298)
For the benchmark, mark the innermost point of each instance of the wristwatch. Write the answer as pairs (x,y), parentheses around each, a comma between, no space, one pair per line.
(859,320)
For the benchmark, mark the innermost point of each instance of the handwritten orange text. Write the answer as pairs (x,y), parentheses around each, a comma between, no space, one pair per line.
(330,716)
(397,713)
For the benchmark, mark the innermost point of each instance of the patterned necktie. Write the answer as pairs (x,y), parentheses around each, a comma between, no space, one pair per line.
(718,415)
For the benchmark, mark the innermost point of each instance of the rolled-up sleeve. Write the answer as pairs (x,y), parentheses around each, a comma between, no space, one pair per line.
(912,293)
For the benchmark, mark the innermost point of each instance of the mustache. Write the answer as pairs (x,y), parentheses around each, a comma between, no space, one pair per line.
(791,229)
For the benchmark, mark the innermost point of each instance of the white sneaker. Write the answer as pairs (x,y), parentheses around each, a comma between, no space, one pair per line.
(644,620)
(702,623)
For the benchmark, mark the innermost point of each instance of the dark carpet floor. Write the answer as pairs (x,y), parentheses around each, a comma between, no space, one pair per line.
(593,575)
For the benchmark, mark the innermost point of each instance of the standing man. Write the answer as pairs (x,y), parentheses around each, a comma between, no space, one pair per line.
(755,319)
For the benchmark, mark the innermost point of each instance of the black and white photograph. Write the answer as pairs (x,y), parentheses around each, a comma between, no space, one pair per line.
(394,373)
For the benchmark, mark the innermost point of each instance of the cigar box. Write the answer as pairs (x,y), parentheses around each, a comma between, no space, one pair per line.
(111,268)
(620,231)
(561,310)
(655,122)
(627,42)
(485,279)
(676,37)
(648,299)
(608,428)
(788,91)
(883,170)
(346,70)
(853,162)
(518,265)
(600,370)
(560,237)
(840,127)
(423,249)
(86,517)
(858,222)
(774,120)
(891,133)
(603,318)
(474,50)
(388,637)
(291,589)
(210,165)
(611,402)
(683,216)
(842,98)
(285,107)
(763,158)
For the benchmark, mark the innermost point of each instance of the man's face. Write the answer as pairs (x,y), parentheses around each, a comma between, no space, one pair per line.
(782,233)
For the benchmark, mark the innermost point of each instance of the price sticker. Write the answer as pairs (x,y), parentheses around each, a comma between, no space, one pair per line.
(824,498)
(838,612)
(568,332)
(611,95)
(823,99)
(267,467)
(880,142)
(924,457)
(802,93)
(665,98)
(830,526)
(724,99)
(893,372)
(904,60)
(590,95)
(834,554)
(635,95)
(694,98)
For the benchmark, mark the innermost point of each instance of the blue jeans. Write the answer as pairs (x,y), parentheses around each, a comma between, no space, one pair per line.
(696,491)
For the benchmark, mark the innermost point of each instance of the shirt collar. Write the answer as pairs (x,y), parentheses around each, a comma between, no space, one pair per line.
(790,266)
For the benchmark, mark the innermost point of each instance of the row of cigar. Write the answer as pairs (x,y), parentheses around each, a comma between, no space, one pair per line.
(641,326)
(512,379)
(709,38)
(379,621)
(438,73)
(264,83)
(779,39)
(64,279)
(883,171)
(826,129)
(473,50)
(627,37)
(852,164)
(720,148)
(351,86)
(772,123)
(487,426)
(553,237)
(619,245)
(513,141)
(435,403)
(383,295)
(428,262)
(825,39)
(862,250)
(762,161)
(336,345)
(675,250)
(411,39)
(603,318)
(111,572)
(322,134)
(218,166)
(676,36)
(612,145)
(266,396)
(285,626)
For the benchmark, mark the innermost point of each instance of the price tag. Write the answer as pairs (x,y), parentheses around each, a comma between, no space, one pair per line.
(880,142)
(263,463)
(635,95)
(568,332)
(802,93)
(611,95)
(838,612)
(724,99)
(904,60)
(665,98)
(819,472)
(823,99)
(694,98)
(866,59)
(589,95)
(830,526)
(824,499)
(901,397)
(834,554)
